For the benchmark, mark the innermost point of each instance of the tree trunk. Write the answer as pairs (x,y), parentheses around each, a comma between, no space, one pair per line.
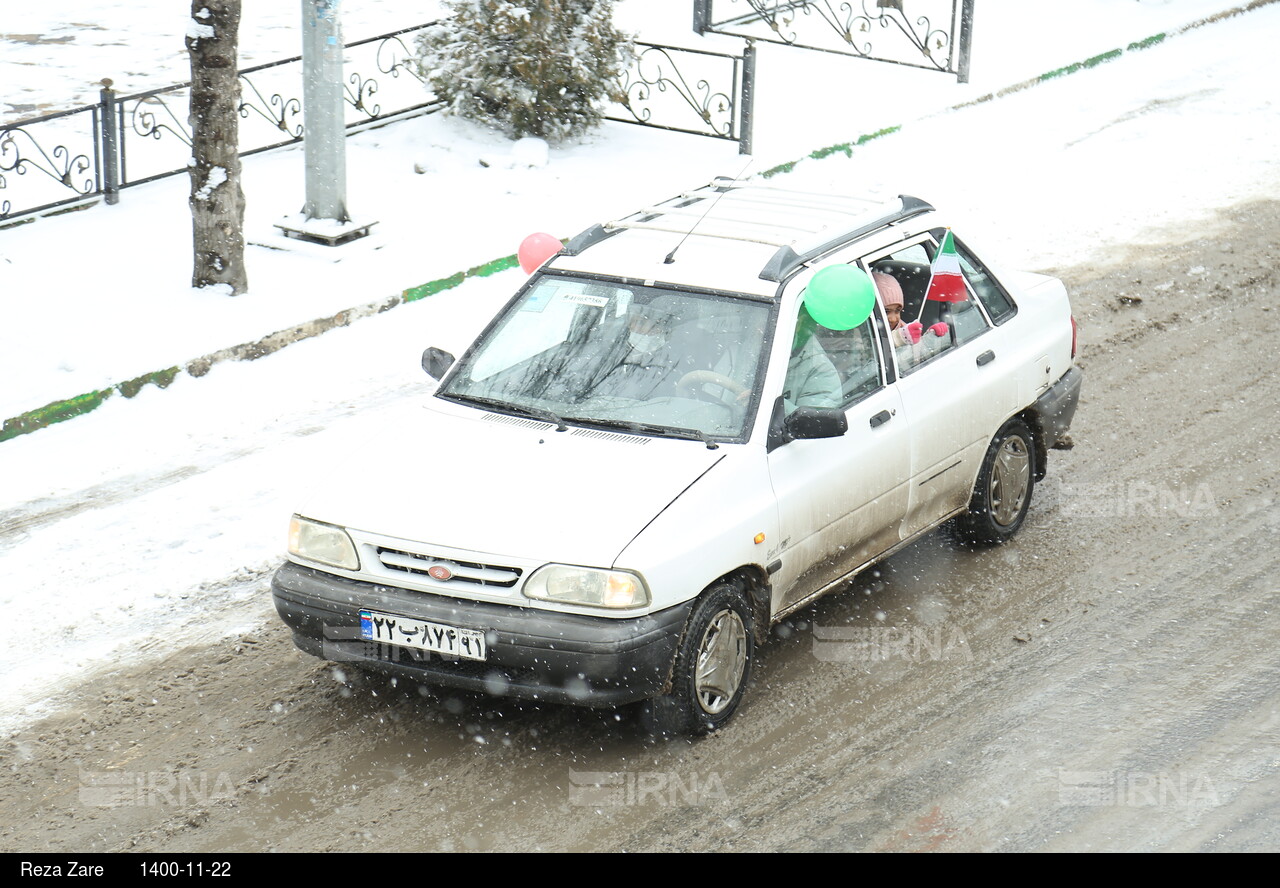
(217,202)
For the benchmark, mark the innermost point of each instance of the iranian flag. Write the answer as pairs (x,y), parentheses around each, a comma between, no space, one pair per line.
(946,283)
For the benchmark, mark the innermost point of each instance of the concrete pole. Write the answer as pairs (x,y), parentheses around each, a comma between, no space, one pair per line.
(966,41)
(324,134)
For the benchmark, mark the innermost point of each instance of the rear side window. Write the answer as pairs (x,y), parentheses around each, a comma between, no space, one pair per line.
(993,298)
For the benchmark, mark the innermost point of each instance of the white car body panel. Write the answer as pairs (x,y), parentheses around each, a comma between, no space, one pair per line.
(511,487)
(840,500)
(710,530)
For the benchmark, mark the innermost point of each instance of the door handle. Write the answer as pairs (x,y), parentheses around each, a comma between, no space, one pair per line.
(986,357)
(881,418)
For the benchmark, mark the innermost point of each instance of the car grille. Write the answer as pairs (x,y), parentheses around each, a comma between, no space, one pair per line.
(463,571)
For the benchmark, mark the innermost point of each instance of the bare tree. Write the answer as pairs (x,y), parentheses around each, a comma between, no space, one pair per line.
(217,201)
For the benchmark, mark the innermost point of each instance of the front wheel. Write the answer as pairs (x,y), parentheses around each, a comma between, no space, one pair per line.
(1003,491)
(712,667)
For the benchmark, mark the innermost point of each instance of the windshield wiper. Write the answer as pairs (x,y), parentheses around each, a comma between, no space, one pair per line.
(508,407)
(545,415)
(668,431)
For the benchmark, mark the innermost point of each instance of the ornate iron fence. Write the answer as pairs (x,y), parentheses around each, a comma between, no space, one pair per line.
(123,141)
(53,171)
(934,34)
(704,93)
(64,159)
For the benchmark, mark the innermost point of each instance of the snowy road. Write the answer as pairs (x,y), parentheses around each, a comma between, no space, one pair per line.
(1106,682)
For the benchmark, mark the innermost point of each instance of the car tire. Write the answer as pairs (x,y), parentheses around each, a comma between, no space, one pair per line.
(711,670)
(1002,493)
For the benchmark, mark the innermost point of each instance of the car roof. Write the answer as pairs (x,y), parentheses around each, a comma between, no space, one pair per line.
(727,235)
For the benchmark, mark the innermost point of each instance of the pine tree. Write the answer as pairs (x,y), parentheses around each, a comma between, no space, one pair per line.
(533,68)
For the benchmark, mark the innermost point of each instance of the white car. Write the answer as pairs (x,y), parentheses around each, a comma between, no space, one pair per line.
(686,425)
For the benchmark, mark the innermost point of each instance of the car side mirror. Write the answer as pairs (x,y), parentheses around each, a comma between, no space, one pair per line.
(815,422)
(436,362)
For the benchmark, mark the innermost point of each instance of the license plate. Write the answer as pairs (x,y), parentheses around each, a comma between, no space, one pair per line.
(448,641)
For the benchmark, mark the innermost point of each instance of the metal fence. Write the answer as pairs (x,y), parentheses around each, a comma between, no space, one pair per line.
(63,160)
(691,91)
(930,34)
(98,150)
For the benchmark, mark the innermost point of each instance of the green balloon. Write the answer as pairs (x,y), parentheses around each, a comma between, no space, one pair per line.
(840,297)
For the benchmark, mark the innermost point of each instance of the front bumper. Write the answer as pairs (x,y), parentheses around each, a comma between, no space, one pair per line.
(532,653)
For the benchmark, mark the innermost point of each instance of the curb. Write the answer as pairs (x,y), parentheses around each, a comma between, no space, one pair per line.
(59,411)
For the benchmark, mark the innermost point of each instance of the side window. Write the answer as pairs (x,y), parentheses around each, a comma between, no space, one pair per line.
(902,279)
(853,355)
(812,379)
(964,319)
(993,298)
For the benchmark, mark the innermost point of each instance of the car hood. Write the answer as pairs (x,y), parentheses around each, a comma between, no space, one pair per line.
(508,486)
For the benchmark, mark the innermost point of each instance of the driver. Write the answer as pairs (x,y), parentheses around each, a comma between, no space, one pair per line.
(812,380)
(648,366)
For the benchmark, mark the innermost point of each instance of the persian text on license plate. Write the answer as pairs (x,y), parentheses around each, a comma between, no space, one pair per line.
(421,635)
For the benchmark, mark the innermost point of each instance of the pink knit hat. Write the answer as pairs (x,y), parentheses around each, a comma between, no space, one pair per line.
(890,289)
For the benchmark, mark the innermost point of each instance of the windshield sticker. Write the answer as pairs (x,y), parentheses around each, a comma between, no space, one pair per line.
(538,300)
(585,299)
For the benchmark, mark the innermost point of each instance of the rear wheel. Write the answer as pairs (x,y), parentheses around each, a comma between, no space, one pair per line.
(1002,494)
(712,667)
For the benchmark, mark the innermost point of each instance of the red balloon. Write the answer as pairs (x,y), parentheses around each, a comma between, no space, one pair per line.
(536,249)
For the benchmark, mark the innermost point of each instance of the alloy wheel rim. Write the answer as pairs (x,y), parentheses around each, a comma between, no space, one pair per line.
(1010,481)
(722,660)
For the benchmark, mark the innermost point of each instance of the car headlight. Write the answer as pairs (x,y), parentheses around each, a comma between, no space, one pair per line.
(323,543)
(587,585)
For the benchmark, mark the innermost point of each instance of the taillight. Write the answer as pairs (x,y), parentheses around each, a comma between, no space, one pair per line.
(1075,330)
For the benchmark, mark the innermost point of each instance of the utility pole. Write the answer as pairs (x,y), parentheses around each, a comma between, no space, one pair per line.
(324,216)
(324,134)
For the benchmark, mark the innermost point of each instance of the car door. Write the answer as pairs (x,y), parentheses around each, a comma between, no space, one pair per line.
(840,500)
(955,393)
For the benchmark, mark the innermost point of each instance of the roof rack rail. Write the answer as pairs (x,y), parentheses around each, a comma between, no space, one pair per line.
(786,261)
(757,213)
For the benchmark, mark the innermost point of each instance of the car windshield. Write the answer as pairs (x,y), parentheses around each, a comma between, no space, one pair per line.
(645,359)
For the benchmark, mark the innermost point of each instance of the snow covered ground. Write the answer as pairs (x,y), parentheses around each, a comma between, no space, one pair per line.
(153,521)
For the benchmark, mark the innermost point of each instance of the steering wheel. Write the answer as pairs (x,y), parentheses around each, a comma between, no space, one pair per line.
(692,382)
